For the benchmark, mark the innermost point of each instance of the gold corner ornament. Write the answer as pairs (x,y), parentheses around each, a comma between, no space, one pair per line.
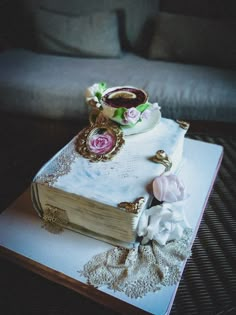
(162,158)
(54,219)
(183,124)
(101,141)
(132,207)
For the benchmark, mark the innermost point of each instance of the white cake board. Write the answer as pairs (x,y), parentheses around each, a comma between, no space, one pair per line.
(59,257)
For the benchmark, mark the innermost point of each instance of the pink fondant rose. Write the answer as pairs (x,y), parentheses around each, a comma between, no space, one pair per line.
(132,115)
(169,188)
(102,143)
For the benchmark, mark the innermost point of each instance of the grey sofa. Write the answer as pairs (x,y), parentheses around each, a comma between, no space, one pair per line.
(73,44)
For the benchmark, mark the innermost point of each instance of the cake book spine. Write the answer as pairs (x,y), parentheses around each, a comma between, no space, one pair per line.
(67,210)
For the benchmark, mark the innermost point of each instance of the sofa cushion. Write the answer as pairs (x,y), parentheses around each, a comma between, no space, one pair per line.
(134,16)
(54,86)
(190,39)
(89,35)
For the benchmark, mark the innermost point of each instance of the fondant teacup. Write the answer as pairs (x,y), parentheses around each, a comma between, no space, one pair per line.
(126,105)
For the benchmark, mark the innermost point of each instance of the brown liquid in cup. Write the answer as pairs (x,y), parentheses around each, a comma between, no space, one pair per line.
(117,102)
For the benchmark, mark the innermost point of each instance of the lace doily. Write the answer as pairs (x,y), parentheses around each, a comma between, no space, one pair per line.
(139,270)
(59,166)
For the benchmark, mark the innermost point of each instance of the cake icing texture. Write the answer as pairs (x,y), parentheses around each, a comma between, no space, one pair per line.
(103,181)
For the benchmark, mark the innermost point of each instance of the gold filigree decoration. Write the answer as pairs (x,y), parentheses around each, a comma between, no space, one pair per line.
(101,141)
(162,158)
(58,166)
(132,207)
(54,219)
(183,124)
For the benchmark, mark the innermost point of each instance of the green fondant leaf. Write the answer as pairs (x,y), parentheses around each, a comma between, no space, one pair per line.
(102,86)
(119,112)
(99,95)
(142,107)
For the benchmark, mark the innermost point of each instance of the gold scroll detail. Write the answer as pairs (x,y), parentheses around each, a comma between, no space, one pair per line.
(132,207)
(54,219)
(96,117)
(162,158)
(183,124)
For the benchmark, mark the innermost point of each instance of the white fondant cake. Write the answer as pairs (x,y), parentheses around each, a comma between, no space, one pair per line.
(102,188)
(88,186)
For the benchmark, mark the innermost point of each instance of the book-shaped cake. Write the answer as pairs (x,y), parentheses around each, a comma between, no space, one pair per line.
(99,184)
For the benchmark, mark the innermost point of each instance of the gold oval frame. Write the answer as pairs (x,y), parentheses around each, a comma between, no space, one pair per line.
(82,143)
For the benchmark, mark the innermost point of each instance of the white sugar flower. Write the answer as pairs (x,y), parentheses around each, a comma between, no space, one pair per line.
(146,114)
(163,223)
(93,94)
(155,106)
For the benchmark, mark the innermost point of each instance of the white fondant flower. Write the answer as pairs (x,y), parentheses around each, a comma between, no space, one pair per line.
(155,106)
(93,94)
(163,223)
(169,188)
(101,143)
(146,114)
(131,116)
